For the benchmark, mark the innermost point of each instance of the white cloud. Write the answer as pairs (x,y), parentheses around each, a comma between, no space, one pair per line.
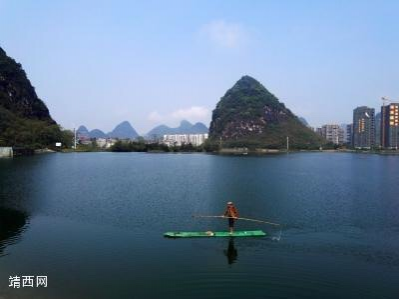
(192,114)
(224,34)
(155,116)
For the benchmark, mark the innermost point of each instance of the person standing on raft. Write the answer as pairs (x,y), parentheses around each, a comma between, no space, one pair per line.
(232,213)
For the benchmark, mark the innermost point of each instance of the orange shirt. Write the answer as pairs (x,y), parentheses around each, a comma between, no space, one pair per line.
(231,211)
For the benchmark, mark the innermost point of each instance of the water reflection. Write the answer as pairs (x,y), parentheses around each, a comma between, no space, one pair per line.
(231,252)
(12,224)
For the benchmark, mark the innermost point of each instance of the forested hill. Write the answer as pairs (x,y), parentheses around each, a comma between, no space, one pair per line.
(25,120)
(248,115)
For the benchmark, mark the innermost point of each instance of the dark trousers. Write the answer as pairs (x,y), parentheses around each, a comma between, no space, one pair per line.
(231,222)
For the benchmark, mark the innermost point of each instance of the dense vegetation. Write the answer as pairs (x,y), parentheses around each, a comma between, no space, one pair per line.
(142,146)
(24,119)
(30,133)
(248,115)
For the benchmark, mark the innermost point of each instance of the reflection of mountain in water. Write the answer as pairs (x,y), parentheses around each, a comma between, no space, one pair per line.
(231,252)
(12,224)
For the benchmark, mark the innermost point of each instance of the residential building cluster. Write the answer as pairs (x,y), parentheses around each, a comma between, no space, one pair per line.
(105,142)
(332,133)
(100,142)
(368,130)
(181,139)
(169,140)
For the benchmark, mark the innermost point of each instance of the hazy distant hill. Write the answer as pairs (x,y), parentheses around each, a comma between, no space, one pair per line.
(24,118)
(185,127)
(123,131)
(248,115)
(83,131)
(159,131)
(96,133)
(199,128)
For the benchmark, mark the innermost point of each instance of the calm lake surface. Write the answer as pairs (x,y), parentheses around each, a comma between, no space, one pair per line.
(94,223)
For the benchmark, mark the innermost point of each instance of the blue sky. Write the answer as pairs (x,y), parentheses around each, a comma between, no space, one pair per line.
(150,62)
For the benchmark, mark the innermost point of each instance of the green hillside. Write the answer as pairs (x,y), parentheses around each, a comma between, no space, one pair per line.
(248,115)
(24,119)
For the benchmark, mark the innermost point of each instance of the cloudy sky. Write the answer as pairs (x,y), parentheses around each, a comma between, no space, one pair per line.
(98,63)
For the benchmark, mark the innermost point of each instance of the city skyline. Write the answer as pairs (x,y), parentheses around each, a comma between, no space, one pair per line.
(100,64)
(314,128)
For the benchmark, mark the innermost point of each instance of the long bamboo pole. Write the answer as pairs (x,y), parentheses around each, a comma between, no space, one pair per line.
(247,219)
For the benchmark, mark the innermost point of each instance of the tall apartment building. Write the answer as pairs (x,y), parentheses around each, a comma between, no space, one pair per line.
(378,129)
(390,125)
(333,133)
(319,131)
(363,127)
(349,134)
(347,131)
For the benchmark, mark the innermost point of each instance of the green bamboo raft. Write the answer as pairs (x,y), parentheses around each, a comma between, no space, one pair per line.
(210,234)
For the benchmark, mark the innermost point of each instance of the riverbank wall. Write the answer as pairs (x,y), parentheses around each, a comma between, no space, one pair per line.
(6,152)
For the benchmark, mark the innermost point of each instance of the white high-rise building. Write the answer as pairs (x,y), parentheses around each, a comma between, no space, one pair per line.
(180,139)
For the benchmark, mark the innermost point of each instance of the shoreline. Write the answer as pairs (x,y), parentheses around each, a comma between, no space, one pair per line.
(257,152)
(226,152)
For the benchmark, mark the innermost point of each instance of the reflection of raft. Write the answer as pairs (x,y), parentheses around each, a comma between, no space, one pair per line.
(245,233)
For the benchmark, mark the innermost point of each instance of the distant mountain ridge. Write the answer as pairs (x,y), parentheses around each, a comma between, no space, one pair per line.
(185,127)
(124,130)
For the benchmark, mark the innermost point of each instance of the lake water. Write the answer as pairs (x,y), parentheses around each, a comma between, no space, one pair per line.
(93,223)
